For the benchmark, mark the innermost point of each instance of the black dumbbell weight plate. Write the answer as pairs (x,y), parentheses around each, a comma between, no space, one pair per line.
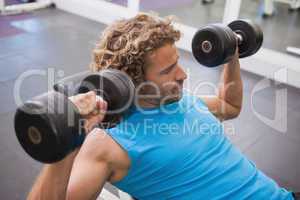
(259,37)
(115,88)
(69,85)
(251,34)
(210,45)
(42,129)
(231,42)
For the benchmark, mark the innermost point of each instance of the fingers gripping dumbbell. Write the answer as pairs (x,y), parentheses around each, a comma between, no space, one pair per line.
(216,44)
(115,87)
(48,126)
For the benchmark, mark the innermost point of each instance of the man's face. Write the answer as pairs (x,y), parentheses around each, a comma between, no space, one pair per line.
(165,73)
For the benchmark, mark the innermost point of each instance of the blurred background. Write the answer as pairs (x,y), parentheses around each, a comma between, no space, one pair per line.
(278,19)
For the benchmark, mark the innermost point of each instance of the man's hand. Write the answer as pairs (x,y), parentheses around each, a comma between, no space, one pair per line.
(235,58)
(91,107)
(228,102)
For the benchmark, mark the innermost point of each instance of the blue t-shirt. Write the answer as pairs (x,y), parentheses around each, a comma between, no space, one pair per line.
(179,152)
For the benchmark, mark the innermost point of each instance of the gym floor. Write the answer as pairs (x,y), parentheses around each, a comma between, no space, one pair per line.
(59,41)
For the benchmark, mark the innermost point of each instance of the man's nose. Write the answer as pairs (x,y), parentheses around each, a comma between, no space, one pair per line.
(180,75)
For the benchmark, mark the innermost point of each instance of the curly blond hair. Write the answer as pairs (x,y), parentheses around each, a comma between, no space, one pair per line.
(124,44)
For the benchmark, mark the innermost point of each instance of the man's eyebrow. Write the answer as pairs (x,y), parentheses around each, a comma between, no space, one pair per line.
(166,69)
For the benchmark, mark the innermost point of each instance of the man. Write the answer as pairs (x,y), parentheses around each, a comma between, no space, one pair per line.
(171,144)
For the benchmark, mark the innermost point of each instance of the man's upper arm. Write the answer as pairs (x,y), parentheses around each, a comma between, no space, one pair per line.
(90,171)
(220,108)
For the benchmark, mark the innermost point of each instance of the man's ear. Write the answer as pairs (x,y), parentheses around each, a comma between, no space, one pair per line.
(151,54)
(149,57)
(147,66)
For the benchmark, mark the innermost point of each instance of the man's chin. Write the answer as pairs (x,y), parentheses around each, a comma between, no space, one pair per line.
(173,98)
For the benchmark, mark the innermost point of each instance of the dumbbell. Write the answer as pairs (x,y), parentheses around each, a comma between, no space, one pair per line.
(215,44)
(49,126)
(69,85)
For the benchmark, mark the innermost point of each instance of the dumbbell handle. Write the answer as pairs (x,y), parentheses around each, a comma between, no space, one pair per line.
(239,36)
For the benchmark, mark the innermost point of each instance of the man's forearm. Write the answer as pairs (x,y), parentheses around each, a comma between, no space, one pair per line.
(53,180)
(231,88)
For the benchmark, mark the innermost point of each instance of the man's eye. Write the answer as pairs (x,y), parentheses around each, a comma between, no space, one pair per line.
(168,70)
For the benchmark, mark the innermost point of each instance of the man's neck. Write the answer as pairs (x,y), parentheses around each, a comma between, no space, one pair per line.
(152,103)
(148,103)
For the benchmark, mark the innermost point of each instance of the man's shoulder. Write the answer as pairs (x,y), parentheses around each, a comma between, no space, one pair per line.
(106,148)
